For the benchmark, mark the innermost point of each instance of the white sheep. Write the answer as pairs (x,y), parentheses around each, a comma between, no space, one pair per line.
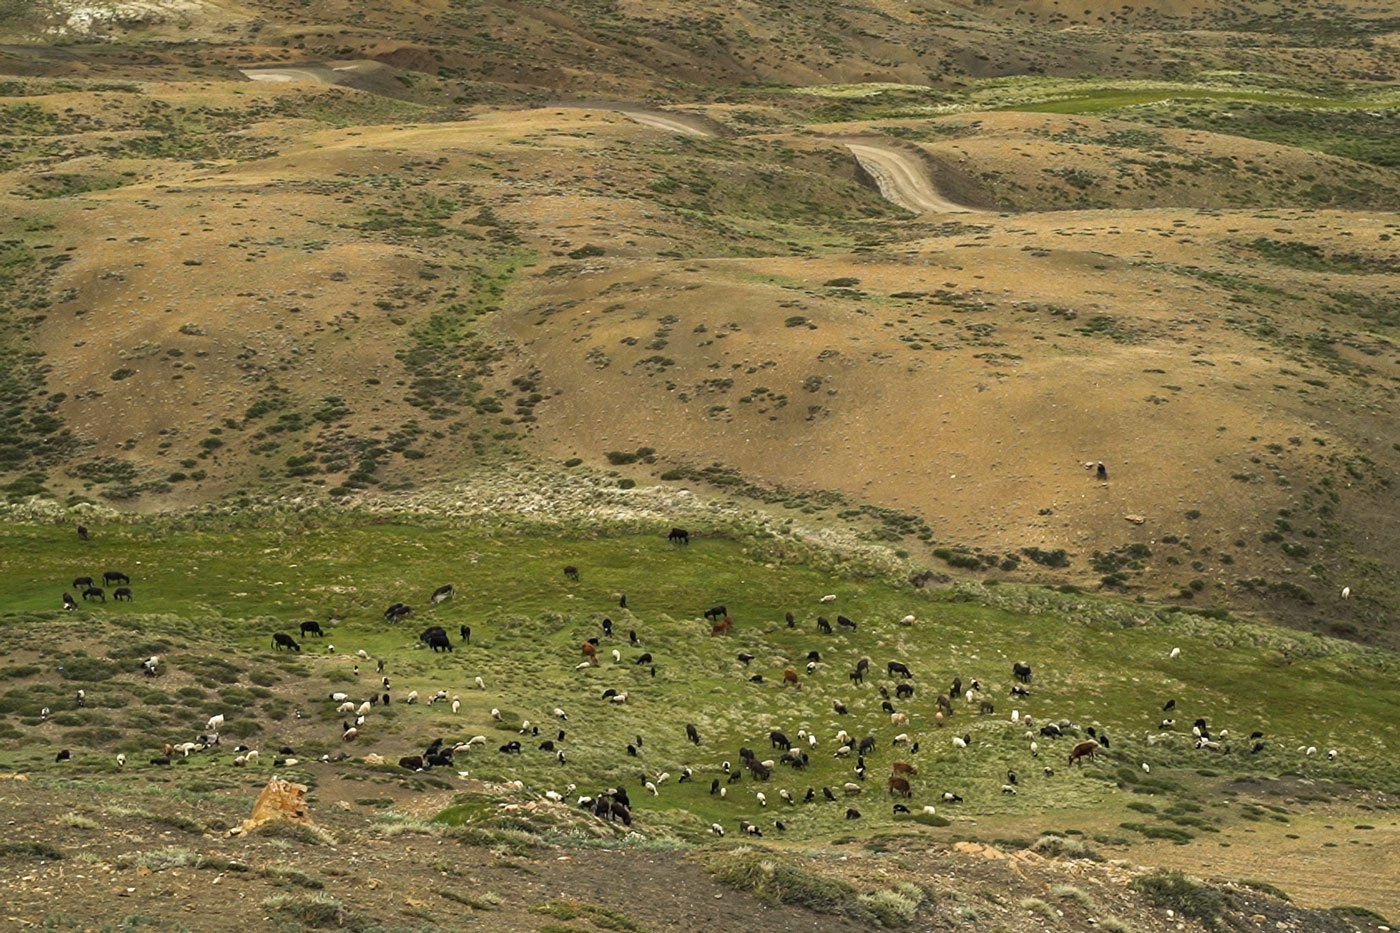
(338,697)
(618,698)
(851,788)
(364,708)
(786,795)
(828,598)
(252,756)
(582,665)
(762,799)
(717,829)
(412,696)
(901,739)
(651,789)
(121,761)
(480,684)
(559,713)
(495,714)
(1346,592)
(1312,750)
(811,740)
(928,810)
(362,654)
(1008,790)
(617,656)
(347,707)
(214,723)
(476,740)
(1146,768)
(958,742)
(1176,653)
(554,796)
(456,704)
(1331,754)
(899,719)
(907,620)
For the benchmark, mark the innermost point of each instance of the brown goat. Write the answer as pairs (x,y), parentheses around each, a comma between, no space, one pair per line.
(790,677)
(722,627)
(903,767)
(1083,750)
(899,787)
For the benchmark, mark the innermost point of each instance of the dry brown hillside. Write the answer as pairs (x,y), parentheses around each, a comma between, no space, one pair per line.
(398,253)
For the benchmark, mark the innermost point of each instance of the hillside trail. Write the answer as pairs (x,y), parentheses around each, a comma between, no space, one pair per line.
(903,181)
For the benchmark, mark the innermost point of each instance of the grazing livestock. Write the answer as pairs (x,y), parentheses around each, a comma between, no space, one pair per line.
(115,577)
(590,651)
(571,573)
(950,797)
(1083,750)
(1175,653)
(94,592)
(396,612)
(867,744)
(82,533)
(790,619)
(903,691)
(722,627)
(899,787)
(898,667)
(839,707)
(904,767)
(790,677)
(715,612)
(466,633)
(678,536)
(1346,592)
(852,813)
(82,583)
(845,622)
(122,593)
(444,593)
(283,640)
(778,740)
(312,628)
(828,598)
(643,658)
(1022,671)
(823,626)
(69,603)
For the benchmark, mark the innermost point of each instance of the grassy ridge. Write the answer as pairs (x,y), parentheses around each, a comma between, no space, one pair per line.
(203,595)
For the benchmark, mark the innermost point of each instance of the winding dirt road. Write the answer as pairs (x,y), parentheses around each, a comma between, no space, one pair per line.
(903,181)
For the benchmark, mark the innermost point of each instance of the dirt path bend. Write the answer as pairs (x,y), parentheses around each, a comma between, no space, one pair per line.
(903,180)
(666,121)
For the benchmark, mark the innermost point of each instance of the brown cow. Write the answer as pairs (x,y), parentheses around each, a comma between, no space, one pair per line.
(790,677)
(722,627)
(1083,750)
(900,787)
(903,767)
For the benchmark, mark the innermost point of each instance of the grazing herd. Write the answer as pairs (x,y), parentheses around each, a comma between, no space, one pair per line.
(909,703)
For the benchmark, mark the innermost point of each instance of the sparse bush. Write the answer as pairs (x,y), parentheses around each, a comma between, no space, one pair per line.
(1172,890)
(891,908)
(315,910)
(1060,847)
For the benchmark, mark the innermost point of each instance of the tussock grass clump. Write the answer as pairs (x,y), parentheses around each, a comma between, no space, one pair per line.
(486,900)
(1036,906)
(1069,892)
(295,832)
(605,918)
(31,849)
(779,880)
(313,910)
(1172,890)
(1060,847)
(161,859)
(893,908)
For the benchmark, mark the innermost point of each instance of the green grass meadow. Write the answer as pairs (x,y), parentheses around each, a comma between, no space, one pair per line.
(209,600)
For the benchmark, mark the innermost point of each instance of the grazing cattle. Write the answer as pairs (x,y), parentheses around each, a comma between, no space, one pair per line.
(444,593)
(1022,671)
(94,592)
(778,740)
(312,628)
(112,577)
(82,583)
(898,667)
(283,640)
(82,533)
(1083,750)
(904,767)
(845,623)
(714,612)
(571,573)
(430,631)
(678,536)
(790,677)
(69,603)
(722,627)
(438,641)
(904,691)
(823,626)
(122,592)
(692,733)
(899,787)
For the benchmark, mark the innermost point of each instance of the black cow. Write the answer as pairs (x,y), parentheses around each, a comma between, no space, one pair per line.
(122,592)
(443,593)
(571,572)
(678,536)
(312,628)
(82,583)
(94,592)
(115,576)
(283,640)
(898,667)
(1022,670)
(412,762)
(438,641)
